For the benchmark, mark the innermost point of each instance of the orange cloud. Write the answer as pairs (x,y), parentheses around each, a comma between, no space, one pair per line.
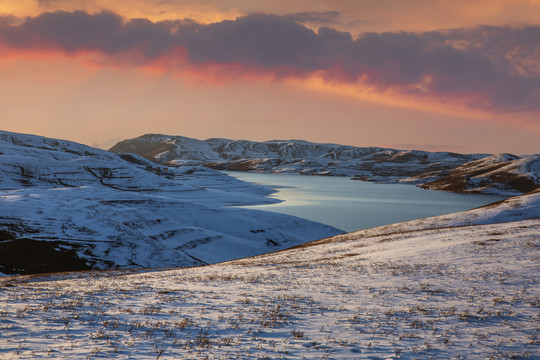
(485,69)
(201,11)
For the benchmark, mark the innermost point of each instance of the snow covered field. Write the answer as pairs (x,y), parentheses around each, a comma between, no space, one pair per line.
(456,286)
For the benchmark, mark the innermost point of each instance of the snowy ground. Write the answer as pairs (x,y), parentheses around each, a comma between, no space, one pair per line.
(442,288)
(502,174)
(123,211)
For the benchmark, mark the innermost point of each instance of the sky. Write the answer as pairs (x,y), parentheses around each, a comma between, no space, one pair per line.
(437,75)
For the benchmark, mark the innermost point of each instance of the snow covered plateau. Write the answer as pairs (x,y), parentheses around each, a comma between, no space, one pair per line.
(502,174)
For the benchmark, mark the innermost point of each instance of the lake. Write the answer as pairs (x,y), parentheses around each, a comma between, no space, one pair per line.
(352,205)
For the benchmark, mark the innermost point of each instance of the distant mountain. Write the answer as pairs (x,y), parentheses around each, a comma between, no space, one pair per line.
(432,170)
(67,206)
(291,156)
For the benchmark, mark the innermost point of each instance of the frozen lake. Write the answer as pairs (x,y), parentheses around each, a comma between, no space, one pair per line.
(352,205)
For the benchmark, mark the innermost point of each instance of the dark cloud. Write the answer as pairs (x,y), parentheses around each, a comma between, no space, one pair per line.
(258,40)
(8,20)
(495,68)
(76,31)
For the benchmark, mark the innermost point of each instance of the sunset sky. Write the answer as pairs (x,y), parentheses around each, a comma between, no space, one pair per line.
(461,75)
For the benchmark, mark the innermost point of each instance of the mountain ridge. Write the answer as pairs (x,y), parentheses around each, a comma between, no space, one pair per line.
(430,170)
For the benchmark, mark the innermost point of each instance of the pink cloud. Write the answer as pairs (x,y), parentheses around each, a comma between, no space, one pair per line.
(495,69)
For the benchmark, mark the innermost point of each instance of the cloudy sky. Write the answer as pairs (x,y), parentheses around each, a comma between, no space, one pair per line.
(461,75)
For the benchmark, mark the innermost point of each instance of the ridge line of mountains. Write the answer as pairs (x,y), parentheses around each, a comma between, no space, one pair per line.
(503,174)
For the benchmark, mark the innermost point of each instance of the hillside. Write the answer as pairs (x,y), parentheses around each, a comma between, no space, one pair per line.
(66,206)
(459,286)
(291,156)
(496,174)
(502,174)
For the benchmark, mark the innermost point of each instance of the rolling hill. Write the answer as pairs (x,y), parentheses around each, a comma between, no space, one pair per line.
(67,206)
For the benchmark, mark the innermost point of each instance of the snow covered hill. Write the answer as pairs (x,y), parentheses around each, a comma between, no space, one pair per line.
(502,174)
(457,286)
(496,174)
(67,206)
(292,156)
